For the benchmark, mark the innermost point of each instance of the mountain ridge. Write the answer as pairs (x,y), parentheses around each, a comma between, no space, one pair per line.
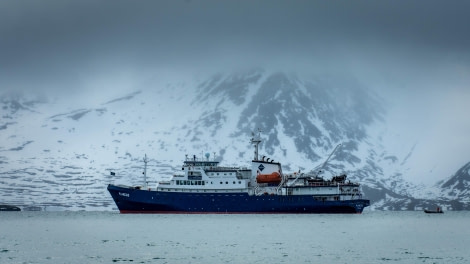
(302,121)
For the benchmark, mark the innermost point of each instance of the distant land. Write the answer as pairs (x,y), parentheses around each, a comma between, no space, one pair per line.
(55,157)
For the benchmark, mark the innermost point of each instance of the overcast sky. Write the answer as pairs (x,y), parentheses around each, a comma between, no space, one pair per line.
(416,54)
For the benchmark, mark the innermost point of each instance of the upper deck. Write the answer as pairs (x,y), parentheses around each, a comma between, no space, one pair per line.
(198,162)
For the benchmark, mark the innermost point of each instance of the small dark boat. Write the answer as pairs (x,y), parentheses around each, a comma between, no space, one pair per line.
(4,207)
(437,211)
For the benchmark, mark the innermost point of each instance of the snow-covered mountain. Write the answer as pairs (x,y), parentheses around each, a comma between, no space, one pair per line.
(56,155)
(456,189)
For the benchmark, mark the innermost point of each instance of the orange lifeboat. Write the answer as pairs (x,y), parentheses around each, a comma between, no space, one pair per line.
(274,177)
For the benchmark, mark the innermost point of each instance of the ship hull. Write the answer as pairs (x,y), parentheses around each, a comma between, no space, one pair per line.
(132,200)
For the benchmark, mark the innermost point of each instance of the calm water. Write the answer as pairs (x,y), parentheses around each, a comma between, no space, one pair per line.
(109,237)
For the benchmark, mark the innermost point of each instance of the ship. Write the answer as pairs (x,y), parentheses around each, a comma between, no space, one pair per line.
(437,211)
(204,186)
(9,208)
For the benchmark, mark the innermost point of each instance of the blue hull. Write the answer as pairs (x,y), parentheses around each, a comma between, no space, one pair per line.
(131,200)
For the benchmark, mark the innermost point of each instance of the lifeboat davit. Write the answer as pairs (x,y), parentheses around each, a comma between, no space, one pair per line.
(274,177)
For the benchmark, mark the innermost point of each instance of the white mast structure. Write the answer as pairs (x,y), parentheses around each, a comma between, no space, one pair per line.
(145,172)
(256,140)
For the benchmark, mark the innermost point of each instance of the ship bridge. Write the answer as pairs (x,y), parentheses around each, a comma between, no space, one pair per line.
(198,162)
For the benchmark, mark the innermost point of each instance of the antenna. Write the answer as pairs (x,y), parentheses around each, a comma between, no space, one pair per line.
(255,140)
(145,171)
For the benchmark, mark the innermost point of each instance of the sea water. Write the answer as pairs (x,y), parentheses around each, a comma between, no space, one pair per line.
(110,237)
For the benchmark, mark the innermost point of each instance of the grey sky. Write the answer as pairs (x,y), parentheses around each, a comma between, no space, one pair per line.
(55,41)
(415,53)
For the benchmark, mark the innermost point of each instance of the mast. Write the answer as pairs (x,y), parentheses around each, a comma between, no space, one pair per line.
(145,171)
(326,161)
(255,140)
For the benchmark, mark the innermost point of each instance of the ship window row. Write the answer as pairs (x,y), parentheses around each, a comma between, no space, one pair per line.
(290,199)
(326,198)
(220,173)
(239,182)
(181,182)
(201,164)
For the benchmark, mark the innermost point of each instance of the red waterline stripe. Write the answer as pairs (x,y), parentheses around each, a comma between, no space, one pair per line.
(186,212)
